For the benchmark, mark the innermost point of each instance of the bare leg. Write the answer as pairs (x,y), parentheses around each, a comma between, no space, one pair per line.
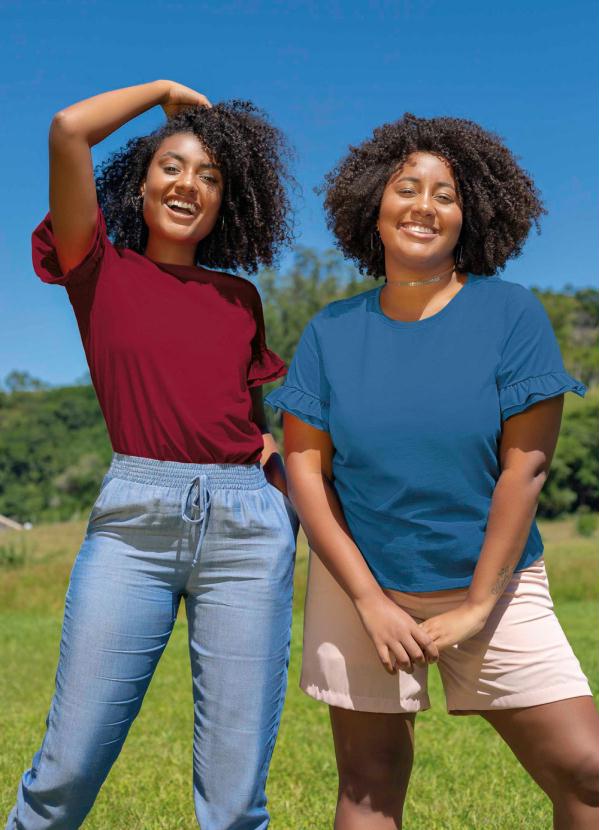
(558,744)
(374,759)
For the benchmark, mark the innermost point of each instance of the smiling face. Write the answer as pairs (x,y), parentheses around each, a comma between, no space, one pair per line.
(420,217)
(182,194)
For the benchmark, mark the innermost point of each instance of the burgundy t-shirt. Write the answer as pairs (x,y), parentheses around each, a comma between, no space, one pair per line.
(173,350)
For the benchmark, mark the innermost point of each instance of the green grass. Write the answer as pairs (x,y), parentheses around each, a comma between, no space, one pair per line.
(464,777)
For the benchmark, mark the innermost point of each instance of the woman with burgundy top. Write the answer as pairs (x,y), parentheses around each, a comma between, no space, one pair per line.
(193,505)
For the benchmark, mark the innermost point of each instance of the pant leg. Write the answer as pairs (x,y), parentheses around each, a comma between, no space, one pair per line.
(239,615)
(120,611)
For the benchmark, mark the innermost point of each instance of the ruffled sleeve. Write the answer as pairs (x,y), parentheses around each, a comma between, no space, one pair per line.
(531,367)
(265,365)
(45,259)
(306,392)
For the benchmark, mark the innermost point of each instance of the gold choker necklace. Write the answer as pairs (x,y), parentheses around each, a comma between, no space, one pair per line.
(438,278)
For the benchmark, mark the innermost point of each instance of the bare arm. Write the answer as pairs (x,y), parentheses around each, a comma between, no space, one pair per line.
(527,445)
(309,454)
(74,130)
(271,460)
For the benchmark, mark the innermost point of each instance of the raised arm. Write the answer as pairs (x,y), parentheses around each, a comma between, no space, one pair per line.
(73,132)
(308,457)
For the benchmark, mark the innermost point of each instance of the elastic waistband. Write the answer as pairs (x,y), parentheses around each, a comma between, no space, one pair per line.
(180,473)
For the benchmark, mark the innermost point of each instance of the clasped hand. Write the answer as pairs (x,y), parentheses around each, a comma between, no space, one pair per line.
(454,626)
(399,641)
(402,643)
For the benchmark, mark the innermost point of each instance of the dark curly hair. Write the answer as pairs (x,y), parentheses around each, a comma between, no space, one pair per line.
(253,157)
(499,200)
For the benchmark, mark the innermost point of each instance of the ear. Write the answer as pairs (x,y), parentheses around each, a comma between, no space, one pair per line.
(142,189)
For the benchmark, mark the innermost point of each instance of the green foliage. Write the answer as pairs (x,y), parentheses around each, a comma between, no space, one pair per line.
(14,553)
(53,444)
(573,481)
(574,316)
(587,523)
(53,452)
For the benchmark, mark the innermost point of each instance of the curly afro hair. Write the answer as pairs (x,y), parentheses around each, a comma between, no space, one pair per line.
(499,200)
(253,157)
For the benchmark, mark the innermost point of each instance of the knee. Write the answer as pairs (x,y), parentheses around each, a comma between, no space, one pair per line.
(586,779)
(377,784)
(581,779)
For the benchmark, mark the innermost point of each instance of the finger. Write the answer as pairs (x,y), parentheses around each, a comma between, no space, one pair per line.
(386,660)
(402,659)
(427,644)
(204,102)
(414,651)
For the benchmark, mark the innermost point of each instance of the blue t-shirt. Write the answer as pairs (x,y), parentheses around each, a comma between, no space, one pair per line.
(414,411)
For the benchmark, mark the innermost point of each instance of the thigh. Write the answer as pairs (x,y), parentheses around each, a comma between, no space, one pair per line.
(521,658)
(238,603)
(340,665)
(117,622)
(557,743)
(374,752)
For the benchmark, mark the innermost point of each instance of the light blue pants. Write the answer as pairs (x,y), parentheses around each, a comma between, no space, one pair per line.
(223,539)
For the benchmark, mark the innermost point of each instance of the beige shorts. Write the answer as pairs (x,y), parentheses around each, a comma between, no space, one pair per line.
(520,658)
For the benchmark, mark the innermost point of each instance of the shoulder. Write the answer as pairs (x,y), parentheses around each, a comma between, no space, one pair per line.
(509,299)
(240,286)
(500,289)
(343,311)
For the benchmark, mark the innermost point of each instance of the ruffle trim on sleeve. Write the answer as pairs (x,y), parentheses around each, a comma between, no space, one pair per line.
(519,396)
(304,406)
(45,259)
(265,367)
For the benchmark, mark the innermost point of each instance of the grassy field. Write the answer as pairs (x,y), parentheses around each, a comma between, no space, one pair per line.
(464,778)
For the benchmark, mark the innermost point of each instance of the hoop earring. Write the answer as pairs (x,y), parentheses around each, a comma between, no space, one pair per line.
(375,240)
(459,257)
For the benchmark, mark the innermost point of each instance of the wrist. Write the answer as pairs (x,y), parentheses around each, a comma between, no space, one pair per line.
(162,88)
(478,608)
(367,597)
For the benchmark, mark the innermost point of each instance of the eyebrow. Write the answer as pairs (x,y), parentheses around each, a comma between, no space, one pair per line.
(182,159)
(413,179)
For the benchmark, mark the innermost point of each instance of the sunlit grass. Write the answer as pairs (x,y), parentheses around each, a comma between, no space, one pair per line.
(463,777)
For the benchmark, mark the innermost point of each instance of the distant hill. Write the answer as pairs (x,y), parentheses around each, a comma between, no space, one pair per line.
(54,449)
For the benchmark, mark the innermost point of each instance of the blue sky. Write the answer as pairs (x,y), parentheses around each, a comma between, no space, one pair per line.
(327,73)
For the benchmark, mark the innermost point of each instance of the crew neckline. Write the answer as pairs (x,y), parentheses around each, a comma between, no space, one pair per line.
(414,324)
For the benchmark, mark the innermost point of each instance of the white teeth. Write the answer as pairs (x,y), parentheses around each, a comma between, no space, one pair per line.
(419,228)
(185,205)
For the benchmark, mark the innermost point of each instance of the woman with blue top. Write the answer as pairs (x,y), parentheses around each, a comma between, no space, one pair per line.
(420,422)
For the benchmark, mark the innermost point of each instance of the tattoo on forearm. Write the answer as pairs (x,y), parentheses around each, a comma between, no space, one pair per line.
(503,577)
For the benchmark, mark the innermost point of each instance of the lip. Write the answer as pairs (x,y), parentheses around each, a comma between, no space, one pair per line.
(182,217)
(421,236)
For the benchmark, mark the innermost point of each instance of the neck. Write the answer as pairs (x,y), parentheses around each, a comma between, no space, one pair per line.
(415,302)
(401,271)
(173,253)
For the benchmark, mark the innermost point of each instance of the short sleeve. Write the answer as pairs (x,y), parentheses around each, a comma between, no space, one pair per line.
(265,365)
(531,367)
(45,259)
(306,392)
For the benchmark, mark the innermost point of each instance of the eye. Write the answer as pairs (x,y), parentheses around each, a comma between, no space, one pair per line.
(170,169)
(444,197)
(406,191)
(209,179)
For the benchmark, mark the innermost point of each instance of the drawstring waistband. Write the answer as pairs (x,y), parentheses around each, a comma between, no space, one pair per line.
(195,480)
(182,474)
(201,503)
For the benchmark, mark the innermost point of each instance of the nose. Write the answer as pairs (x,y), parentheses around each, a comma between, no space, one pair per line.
(424,204)
(186,181)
